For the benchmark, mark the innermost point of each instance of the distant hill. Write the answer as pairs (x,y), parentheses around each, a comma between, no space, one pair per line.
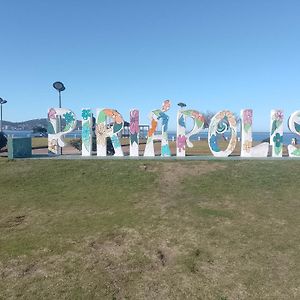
(25,125)
(28,125)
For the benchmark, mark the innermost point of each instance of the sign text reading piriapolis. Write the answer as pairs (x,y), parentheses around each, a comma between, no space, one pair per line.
(221,122)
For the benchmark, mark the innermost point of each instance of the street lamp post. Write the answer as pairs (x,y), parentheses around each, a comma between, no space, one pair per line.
(2,101)
(59,86)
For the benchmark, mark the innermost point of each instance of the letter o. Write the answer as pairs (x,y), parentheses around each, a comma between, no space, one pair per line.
(218,125)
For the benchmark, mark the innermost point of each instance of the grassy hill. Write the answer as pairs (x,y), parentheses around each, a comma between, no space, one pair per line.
(92,229)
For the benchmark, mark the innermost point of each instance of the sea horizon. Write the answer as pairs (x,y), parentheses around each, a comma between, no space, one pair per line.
(257,136)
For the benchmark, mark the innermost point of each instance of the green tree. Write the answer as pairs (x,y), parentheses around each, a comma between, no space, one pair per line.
(39,129)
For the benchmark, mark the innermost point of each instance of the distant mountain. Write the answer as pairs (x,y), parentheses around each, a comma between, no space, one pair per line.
(28,125)
(25,125)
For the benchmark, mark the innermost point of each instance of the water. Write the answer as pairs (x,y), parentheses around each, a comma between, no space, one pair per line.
(257,136)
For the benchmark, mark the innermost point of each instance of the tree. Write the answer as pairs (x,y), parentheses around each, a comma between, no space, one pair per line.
(209,115)
(39,129)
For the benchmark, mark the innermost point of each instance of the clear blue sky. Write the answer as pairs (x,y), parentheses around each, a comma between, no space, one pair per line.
(212,55)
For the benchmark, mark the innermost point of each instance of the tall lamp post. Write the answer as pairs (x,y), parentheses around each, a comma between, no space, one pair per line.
(2,101)
(59,86)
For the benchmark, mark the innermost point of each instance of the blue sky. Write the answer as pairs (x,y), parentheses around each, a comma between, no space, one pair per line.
(212,55)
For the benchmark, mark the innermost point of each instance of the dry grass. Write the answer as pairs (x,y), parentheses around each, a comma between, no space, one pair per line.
(149,230)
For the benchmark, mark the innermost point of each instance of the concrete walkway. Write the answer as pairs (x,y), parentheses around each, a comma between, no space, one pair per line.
(196,157)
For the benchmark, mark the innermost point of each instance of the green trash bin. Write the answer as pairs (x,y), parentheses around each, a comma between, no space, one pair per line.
(19,147)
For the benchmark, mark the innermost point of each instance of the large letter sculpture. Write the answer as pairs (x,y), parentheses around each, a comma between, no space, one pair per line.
(86,133)
(276,136)
(55,135)
(183,138)
(104,131)
(294,126)
(155,116)
(219,124)
(247,150)
(134,131)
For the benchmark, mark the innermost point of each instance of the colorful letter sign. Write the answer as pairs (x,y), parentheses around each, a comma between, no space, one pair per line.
(294,126)
(55,134)
(110,130)
(276,136)
(86,132)
(219,124)
(156,116)
(134,130)
(110,125)
(247,150)
(183,138)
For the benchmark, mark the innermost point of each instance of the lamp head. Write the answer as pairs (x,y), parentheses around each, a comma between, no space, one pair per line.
(59,86)
(181,104)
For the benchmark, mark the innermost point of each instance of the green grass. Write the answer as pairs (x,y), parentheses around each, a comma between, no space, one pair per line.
(42,142)
(39,142)
(94,229)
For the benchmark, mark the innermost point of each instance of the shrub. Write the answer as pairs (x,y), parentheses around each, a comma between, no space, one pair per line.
(77,144)
(3,140)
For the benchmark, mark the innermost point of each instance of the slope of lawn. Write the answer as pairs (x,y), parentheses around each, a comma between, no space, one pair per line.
(97,229)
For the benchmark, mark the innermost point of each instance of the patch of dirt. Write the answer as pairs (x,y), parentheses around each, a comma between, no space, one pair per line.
(14,221)
(161,257)
(16,269)
(166,255)
(118,244)
(174,173)
(171,175)
(29,269)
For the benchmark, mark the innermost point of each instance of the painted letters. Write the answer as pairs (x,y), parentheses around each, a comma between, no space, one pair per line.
(134,131)
(247,150)
(294,126)
(55,134)
(86,132)
(276,132)
(110,124)
(155,116)
(183,138)
(104,130)
(219,124)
